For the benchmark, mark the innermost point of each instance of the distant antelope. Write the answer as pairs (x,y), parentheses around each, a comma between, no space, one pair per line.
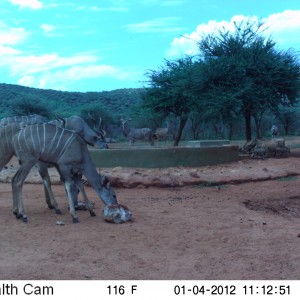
(162,133)
(135,134)
(68,152)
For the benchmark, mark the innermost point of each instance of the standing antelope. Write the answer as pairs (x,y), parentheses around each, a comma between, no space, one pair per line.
(135,134)
(69,153)
(162,133)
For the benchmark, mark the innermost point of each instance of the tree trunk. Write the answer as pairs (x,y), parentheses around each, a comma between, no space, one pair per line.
(182,123)
(230,130)
(247,116)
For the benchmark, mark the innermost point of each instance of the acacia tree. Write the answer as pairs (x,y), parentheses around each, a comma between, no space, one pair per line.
(246,66)
(171,91)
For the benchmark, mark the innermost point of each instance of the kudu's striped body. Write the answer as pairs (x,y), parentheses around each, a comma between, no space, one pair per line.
(31,119)
(68,152)
(7,151)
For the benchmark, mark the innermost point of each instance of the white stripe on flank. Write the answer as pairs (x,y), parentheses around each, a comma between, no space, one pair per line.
(32,139)
(44,138)
(19,135)
(52,140)
(58,142)
(38,135)
(69,141)
(24,130)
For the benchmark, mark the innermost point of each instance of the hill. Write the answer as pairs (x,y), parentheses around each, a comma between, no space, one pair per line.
(66,103)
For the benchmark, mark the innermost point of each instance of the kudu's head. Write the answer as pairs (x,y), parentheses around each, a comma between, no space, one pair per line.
(113,211)
(125,127)
(100,142)
(78,125)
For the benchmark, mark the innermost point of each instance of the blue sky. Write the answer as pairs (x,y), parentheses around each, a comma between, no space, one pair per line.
(96,45)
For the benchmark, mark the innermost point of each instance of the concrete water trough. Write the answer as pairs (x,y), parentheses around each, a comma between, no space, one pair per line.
(156,157)
(207,143)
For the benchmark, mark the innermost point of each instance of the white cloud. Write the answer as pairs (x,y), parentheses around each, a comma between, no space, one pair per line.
(12,36)
(164,3)
(33,4)
(156,25)
(91,71)
(47,28)
(286,20)
(8,51)
(62,78)
(283,27)
(104,9)
(28,65)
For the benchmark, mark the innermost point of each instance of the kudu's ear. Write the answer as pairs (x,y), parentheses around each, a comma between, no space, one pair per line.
(62,120)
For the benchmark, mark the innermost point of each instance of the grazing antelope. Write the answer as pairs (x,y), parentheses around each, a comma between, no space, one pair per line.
(68,152)
(74,123)
(135,134)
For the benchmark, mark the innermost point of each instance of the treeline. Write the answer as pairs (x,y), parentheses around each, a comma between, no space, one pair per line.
(14,98)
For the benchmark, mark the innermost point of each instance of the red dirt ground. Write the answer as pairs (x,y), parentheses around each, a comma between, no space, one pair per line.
(233,221)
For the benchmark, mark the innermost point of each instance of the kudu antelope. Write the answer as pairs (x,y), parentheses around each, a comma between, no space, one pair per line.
(31,119)
(92,138)
(74,123)
(7,152)
(78,125)
(162,133)
(136,134)
(68,152)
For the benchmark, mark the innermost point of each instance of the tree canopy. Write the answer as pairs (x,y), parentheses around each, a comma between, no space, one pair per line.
(247,69)
(238,73)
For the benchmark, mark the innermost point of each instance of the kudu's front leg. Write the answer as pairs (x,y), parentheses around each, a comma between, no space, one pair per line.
(69,185)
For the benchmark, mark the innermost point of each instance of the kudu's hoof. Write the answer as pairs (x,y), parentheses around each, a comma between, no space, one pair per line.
(92,213)
(18,216)
(58,211)
(75,220)
(25,219)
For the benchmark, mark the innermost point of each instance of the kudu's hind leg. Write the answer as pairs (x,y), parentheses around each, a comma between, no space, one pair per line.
(17,185)
(50,199)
